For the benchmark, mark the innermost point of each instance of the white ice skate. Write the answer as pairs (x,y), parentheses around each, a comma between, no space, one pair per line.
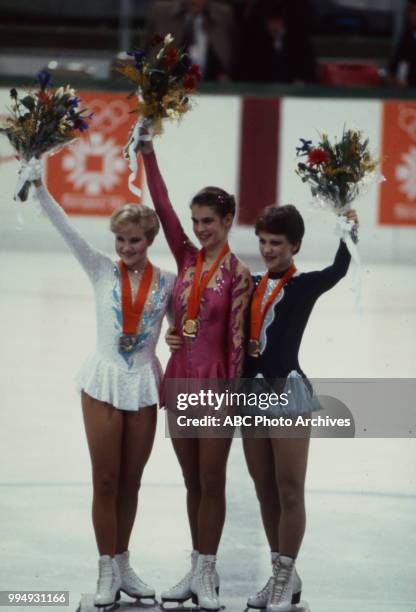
(131,584)
(181,592)
(206,584)
(282,586)
(108,584)
(260,599)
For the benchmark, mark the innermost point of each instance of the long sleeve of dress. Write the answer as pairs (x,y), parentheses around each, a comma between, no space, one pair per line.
(89,258)
(237,329)
(327,278)
(177,239)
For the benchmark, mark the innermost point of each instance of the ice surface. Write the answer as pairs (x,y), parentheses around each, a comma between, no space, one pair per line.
(358,551)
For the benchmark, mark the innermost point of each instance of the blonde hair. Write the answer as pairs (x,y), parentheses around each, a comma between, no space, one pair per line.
(136,214)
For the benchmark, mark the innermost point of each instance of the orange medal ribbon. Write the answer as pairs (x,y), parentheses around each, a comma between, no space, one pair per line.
(190,326)
(258,312)
(133,311)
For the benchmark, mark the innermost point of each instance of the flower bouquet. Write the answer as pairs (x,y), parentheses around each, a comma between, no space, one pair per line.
(40,122)
(337,173)
(164,79)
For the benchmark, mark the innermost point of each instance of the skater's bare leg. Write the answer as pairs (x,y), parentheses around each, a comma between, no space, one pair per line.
(104,428)
(260,463)
(187,452)
(137,442)
(290,460)
(213,456)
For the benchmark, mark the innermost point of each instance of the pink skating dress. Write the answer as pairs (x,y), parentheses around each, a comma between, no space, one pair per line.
(218,349)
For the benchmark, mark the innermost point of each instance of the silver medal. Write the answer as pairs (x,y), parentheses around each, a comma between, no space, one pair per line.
(128,342)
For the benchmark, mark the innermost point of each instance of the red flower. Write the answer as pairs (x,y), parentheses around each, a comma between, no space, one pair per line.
(189,83)
(43,97)
(316,157)
(170,57)
(195,72)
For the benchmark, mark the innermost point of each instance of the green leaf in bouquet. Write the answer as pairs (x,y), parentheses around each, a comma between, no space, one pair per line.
(29,103)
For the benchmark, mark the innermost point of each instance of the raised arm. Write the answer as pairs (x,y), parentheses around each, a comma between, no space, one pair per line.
(89,258)
(177,239)
(240,296)
(325,279)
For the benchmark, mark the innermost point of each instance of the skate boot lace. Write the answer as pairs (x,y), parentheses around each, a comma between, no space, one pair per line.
(105,578)
(207,579)
(280,582)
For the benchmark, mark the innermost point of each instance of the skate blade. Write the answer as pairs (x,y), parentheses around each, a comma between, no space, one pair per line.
(178,606)
(303,606)
(201,609)
(138,604)
(87,605)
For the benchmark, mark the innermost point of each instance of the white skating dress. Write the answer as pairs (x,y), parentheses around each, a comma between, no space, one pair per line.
(127,381)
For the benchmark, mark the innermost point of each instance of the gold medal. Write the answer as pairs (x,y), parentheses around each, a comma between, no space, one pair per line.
(190,328)
(254,348)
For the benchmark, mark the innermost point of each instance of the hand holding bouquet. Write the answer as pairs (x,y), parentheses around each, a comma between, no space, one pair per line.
(42,122)
(164,80)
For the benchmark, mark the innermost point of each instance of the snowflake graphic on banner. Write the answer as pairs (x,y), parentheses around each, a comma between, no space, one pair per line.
(406,173)
(95,165)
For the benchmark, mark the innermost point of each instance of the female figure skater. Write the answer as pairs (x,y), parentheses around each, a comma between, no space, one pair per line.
(210,300)
(119,383)
(282,302)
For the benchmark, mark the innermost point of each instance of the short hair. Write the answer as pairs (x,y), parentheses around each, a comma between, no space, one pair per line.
(222,202)
(285,220)
(136,214)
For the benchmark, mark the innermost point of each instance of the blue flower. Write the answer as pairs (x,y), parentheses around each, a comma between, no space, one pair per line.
(74,102)
(44,78)
(306,145)
(81,125)
(138,57)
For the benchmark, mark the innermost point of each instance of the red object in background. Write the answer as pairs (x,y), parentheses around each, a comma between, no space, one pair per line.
(90,177)
(398,192)
(259,157)
(349,74)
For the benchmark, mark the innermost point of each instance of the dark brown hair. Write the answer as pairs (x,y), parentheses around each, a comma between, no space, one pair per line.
(219,200)
(285,220)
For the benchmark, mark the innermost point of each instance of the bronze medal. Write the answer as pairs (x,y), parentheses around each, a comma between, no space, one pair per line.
(254,348)
(259,309)
(190,328)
